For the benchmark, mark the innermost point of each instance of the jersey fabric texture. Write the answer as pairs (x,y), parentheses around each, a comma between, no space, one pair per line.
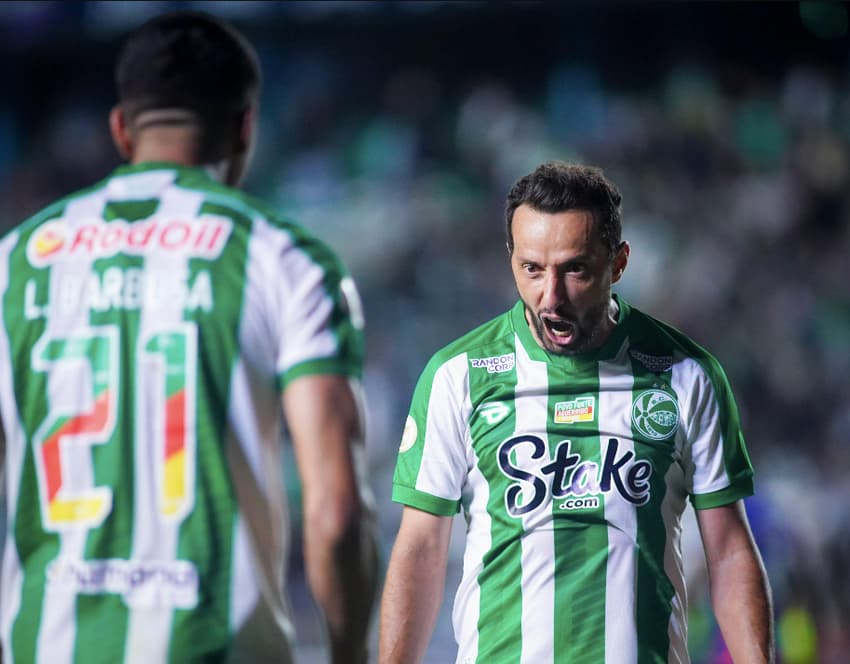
(149,325)
(573,473)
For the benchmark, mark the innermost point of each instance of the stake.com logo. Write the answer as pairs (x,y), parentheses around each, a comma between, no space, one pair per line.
(202,237)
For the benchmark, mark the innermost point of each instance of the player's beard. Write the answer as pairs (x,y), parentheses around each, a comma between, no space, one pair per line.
(587,331)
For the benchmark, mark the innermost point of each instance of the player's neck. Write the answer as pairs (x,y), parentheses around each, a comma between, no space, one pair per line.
(181,146)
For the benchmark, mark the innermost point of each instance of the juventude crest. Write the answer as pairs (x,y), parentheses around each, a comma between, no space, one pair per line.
(655,414)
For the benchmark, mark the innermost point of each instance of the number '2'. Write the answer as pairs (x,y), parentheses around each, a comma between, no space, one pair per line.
(90,359)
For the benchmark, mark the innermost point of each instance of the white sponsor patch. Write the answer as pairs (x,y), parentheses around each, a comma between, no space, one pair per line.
(141,583)
(576,410)
(498,364)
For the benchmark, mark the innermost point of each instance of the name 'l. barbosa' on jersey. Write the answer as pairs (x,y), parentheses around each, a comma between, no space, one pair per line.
(115,288)
(570,476)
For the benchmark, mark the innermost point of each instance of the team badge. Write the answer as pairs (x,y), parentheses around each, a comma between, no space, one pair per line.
(408,438)
(575,410)
(655,414)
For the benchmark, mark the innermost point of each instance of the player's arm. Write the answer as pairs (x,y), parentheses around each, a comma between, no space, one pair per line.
(413,590)
(324,415)
(740,593)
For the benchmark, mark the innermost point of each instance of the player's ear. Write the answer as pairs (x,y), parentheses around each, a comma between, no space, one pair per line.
(121,134)
(247,129)
(621,259)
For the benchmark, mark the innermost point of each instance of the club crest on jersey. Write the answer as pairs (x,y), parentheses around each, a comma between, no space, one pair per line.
(655,363)
(575,410)
(201,237)
(498,364)
(655,414)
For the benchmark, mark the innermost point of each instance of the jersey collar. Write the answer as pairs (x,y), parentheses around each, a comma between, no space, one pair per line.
(606,351)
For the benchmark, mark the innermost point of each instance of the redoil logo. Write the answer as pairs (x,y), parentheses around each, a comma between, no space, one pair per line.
(201,237)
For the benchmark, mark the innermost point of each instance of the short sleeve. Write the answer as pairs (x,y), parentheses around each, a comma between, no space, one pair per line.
(317,312)
(717,465)
(431,467)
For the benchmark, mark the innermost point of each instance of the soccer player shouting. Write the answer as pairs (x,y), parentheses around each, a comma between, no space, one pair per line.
(571,430)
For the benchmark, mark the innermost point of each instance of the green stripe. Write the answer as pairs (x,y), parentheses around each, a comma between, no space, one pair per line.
(655,591)
(493,420)
(35,547)
(581,535)
(206,536)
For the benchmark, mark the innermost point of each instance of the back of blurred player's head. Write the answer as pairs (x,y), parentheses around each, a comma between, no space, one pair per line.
(189,61)
(557,186)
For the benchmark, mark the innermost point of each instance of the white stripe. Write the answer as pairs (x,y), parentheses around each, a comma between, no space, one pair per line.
(467,603)
(538,544)
(700,417)
(139,186)
(687,375)
(55,644)
(243,595)
(615,398)
(443,469)
(154,539)
(671,512)
(15,441)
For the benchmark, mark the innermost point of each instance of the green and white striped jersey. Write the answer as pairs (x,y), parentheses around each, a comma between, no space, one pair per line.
(149,325)
(573,472)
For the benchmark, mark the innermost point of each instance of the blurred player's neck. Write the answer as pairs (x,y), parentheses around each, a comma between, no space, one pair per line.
(183,145)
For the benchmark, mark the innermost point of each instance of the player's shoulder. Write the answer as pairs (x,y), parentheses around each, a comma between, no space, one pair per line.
(492,338)
(264,221)
(652,340)
(49,212)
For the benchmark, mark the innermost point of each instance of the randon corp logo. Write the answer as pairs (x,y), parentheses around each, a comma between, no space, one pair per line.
(655,414)
(198,237)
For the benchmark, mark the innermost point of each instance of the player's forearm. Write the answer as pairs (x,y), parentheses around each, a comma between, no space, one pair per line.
(342,566)
(413,592)
(742,603)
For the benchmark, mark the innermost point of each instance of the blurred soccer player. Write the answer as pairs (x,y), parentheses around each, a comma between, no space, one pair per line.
(571,430)
(155,328)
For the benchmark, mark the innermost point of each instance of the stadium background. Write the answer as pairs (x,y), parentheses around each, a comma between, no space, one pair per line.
(393,130)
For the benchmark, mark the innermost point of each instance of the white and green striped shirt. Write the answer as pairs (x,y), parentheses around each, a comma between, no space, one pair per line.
(148,326)
(572,472)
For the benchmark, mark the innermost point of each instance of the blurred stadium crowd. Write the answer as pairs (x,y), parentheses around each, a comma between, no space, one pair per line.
(394,130)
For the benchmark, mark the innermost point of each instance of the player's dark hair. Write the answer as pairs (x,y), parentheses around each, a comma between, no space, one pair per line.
(187,60)
(558,187)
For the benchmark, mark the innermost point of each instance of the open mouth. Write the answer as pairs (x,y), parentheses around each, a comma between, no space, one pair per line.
(559,331)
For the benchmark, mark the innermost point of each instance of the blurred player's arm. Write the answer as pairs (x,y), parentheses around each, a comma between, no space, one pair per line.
(413,590)
(740,593)
(324,414)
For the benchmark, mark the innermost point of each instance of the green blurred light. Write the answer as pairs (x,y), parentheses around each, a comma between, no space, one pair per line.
(827,20)
(798,639)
